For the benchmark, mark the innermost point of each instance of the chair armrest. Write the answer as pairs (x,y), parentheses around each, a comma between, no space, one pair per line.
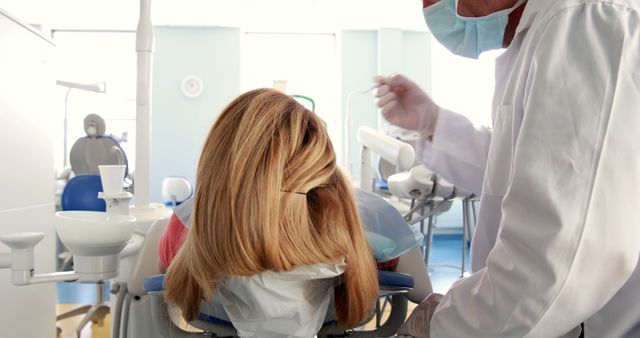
(395,280)
(160,316)
(154,283)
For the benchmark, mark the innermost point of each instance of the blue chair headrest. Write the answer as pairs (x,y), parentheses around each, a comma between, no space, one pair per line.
(381,185)
(81,193)
(154,283)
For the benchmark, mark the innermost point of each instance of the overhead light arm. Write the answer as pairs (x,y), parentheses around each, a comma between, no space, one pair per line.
(100,87)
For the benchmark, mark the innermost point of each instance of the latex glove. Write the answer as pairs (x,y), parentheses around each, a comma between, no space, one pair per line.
(418,323)
(405,105)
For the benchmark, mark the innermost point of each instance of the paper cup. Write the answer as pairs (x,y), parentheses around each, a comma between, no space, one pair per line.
(112,177)
(280,85)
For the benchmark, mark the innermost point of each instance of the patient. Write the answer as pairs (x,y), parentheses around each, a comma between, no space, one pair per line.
(274,219)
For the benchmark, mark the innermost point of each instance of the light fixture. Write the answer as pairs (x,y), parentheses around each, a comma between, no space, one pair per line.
(100,87)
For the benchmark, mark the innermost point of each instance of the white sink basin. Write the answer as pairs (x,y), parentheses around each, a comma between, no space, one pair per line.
(95,239)
(92,228)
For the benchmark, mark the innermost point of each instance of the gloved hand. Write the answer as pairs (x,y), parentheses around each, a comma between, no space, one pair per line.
(418,324)
(405,105)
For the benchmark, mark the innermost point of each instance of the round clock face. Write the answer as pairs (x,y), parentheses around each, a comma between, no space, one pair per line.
(192,86)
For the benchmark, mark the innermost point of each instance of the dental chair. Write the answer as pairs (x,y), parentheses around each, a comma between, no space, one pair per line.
(131,316)
(141,311)
(95,149)
(81,193)
(176,190)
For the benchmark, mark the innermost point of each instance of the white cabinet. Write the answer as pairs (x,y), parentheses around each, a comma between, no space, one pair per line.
(26,173)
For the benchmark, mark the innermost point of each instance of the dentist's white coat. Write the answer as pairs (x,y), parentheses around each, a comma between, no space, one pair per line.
(558,235)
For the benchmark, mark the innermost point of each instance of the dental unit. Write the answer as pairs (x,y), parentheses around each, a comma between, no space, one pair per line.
(430,195)
(94,238)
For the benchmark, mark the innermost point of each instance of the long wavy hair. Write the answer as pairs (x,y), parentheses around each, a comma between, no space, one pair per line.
(269,196)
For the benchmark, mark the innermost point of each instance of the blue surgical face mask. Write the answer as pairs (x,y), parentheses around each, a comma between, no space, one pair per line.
(466,36)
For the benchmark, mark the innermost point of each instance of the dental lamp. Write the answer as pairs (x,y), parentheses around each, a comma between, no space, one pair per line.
(100,87)
(395,151)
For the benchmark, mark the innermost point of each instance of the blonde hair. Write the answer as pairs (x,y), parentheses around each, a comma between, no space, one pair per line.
(269,196)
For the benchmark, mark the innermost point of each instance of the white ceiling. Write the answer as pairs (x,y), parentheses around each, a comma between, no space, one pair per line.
(270,15)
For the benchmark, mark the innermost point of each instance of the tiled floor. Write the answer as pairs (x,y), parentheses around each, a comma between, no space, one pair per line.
(444,267)
(445,262)
(68,326)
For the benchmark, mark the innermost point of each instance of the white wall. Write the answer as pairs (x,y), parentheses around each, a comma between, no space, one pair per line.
(26,175)
(366,53)
(456,77)
(359,65)
(271,15)
(180,124)
(214,53)
(308,62)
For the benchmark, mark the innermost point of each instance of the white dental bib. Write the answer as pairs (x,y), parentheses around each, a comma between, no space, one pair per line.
(273,304)
(276,304)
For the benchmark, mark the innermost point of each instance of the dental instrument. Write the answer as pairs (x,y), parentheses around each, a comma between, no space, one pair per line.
(349,123)
(430,195)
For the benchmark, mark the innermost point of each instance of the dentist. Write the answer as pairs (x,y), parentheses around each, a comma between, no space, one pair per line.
(556,248)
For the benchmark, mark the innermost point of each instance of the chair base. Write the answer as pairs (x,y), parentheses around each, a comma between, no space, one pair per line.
(94,313)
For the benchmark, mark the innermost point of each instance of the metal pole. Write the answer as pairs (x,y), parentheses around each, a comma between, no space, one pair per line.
(5,260)
(65,160)
(366,177)
(475,218)
(427,250)
(424,248)
(144,50)
(465,227)
(116,314)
